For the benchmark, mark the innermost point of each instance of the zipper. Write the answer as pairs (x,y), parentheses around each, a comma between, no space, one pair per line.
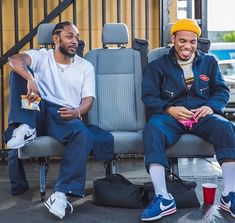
(169,92)
(182,76)
(203,89)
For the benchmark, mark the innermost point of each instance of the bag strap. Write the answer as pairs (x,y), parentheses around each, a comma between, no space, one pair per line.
(173,176)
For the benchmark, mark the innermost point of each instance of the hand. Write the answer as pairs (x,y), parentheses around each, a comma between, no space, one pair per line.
(203,111)
(179,112)
(32,90)
(69,113)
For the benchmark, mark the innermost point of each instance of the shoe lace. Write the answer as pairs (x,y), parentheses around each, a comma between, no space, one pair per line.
(17,131)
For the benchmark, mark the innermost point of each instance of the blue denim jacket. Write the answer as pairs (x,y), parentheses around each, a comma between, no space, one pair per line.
(164,84)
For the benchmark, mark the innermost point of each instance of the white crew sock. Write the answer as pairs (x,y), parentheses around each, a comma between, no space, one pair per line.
(228,171)
(157,173)
(61,195)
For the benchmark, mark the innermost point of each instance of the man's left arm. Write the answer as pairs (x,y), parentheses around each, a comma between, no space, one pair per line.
(72,113)
(84,107)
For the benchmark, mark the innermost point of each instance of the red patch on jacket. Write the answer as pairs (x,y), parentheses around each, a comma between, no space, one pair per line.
(204,77)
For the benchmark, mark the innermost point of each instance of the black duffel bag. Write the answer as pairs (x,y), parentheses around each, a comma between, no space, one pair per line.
(117,191)
(183,191)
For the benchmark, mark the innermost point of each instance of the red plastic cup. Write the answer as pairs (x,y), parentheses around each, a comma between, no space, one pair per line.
(209,190)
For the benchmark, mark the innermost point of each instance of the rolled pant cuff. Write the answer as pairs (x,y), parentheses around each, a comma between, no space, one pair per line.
(226,153)
(78,192)
(159,159)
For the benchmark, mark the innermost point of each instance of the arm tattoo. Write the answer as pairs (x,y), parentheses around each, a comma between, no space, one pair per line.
(24,63)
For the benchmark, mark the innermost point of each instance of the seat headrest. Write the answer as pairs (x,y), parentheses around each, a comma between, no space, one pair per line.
(115,33)
(44,33)
(167,34)
(203,44)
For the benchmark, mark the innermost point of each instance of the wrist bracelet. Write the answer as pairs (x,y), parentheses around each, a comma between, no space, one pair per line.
(79,114)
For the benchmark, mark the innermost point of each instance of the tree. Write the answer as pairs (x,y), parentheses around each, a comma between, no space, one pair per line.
(229,37)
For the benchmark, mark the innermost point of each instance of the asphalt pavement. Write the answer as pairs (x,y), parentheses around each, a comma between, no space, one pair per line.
(28,207)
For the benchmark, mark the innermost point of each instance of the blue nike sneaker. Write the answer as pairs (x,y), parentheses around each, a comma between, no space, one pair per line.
(158,208)
(227,203)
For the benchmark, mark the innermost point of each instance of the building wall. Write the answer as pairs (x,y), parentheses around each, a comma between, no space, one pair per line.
(82,19)
(173,4)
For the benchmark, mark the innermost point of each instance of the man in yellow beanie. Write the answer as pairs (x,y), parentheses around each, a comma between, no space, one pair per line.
(185,93)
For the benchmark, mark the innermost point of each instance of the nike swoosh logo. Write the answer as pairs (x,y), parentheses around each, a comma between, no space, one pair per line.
(163,207)
(27,137)
(52,201)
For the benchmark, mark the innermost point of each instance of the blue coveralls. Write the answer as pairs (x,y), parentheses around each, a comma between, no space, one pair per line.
(72,133)
(164,85)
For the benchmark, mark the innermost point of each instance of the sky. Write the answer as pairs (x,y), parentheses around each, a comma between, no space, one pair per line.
(221,15)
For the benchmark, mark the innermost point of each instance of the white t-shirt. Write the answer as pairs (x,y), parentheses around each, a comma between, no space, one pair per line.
(65,85)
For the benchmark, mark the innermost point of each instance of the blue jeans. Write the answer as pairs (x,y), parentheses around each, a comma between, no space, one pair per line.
(162,131)
(16,173)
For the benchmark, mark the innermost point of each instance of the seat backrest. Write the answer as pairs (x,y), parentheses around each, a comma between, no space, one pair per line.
(118,106)
(44,33)
(158,52)
(203,44)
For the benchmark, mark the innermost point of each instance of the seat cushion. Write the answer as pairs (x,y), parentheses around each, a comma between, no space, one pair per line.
(124,143)
(190,146)
(128,142)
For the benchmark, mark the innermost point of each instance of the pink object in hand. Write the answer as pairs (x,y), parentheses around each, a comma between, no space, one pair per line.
(189,122)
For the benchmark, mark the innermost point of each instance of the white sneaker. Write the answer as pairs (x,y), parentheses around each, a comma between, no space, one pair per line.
(57,205)
(21,136)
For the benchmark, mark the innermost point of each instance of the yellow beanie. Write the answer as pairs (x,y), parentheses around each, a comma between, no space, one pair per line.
(186,25)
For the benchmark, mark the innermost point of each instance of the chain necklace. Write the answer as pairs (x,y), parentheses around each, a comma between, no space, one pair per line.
(63,67)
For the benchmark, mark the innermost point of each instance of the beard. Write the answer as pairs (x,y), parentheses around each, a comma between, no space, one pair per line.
(65,52)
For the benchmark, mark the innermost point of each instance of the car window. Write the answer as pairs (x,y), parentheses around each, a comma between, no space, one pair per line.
(227,69)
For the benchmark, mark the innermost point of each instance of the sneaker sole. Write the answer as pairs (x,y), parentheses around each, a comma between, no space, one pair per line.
(53,211)
(225,208)
(25,142)
(165,213)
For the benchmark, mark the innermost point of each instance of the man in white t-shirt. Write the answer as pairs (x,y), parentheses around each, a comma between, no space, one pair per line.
(66,84)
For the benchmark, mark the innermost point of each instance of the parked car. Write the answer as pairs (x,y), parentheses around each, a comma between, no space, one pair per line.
(223,51)
(227,68)
(225,54)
